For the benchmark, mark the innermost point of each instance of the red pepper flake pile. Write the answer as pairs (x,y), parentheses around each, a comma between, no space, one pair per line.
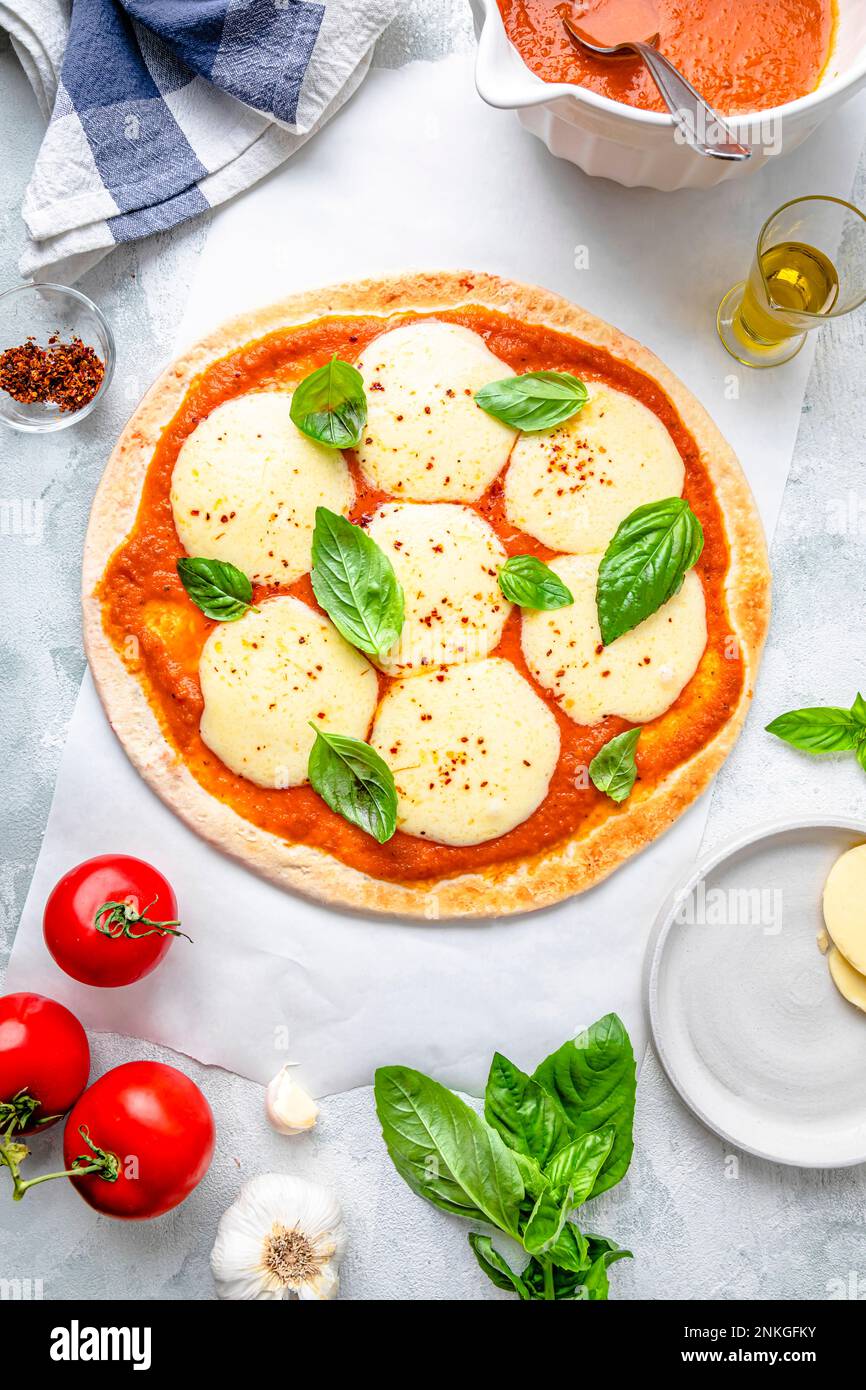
(67,374)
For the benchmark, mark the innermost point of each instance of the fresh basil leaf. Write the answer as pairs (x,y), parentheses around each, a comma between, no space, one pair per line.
(495,1266)
(546,1221)
(567,1286)
(593,1079)
(329,405)
(526,580)
(595,1281)
(597,1245)
(444,1151)
(858,709)
(578,1294)
(613,769)
(534,1180)
(355,583)
(534,401)
(574,1282)
(355,782)
(861,753)
(570,1250)
(528,1119)
(824,729)
(219,589)
(645,564)
(439,1189)
(577,1166)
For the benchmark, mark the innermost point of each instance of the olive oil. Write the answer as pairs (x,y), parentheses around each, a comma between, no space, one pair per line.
(800,280)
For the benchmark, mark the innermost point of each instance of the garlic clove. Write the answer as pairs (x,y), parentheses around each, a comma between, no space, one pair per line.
(288,1106)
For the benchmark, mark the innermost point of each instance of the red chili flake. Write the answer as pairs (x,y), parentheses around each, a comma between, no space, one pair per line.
(67,374)
(75,374)
(23,372)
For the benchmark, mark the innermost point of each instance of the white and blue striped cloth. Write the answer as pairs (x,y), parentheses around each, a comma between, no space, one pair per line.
(161,109)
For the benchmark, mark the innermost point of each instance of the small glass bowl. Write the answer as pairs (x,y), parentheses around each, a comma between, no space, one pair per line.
(39,312)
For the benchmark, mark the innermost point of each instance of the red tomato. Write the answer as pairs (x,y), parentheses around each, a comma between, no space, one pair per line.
(110,920)
(153,1127)
(44,1061)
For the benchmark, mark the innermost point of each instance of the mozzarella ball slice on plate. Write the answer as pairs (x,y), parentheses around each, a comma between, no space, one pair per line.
(266,676)
(447,560)
(425,438)
(849,982)
(472,749)
(845,906)
(246,486)
(570,487)
(639,675)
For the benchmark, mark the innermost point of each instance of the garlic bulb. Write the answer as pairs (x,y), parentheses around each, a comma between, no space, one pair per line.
(282,1236)
(289,1108)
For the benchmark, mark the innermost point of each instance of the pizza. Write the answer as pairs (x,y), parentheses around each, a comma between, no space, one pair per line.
(433,595)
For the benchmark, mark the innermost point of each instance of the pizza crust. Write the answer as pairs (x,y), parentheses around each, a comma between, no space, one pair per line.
(532,882)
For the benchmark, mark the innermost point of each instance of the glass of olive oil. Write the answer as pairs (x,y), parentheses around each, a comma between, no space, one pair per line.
(809,266)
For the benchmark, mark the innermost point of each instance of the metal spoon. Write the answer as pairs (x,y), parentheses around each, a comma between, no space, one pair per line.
(688,108)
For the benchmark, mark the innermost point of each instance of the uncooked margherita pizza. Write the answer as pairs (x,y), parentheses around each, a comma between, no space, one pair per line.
(433,595)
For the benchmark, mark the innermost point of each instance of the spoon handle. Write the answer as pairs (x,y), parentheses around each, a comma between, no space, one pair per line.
(694,116)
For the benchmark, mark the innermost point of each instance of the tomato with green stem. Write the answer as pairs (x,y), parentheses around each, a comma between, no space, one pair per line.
(44,1062)
(111,920)
(136,1144)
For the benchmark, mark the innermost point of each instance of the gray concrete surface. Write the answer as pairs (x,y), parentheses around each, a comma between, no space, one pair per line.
(703,1223)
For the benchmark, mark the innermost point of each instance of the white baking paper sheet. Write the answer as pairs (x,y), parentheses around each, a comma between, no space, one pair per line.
(417,173)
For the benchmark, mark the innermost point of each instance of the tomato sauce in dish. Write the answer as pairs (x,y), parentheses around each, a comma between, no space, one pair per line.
(143,598)
(741,55)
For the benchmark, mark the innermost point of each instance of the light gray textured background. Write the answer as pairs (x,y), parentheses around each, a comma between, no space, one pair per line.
(703,1224)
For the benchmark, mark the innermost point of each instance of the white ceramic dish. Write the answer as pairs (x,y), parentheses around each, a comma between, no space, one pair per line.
(746,1020)
(615,141)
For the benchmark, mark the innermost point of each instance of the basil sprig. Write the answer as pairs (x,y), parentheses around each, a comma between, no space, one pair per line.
(330,406)
(534,401)
(526,580)
(218,588)
(645,564)
(547,1143)
(355,583)
(353,780)
(825,729)
(613,769)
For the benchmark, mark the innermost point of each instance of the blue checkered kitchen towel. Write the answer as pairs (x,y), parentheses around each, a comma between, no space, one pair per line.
(161,109)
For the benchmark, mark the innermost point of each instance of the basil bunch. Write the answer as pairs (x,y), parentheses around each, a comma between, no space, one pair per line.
(825,729)
(547,1144)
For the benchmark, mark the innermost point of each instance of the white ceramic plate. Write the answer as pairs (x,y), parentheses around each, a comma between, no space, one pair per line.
(746,1020)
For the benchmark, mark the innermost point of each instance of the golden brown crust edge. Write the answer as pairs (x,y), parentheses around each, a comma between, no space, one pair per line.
(530,883)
